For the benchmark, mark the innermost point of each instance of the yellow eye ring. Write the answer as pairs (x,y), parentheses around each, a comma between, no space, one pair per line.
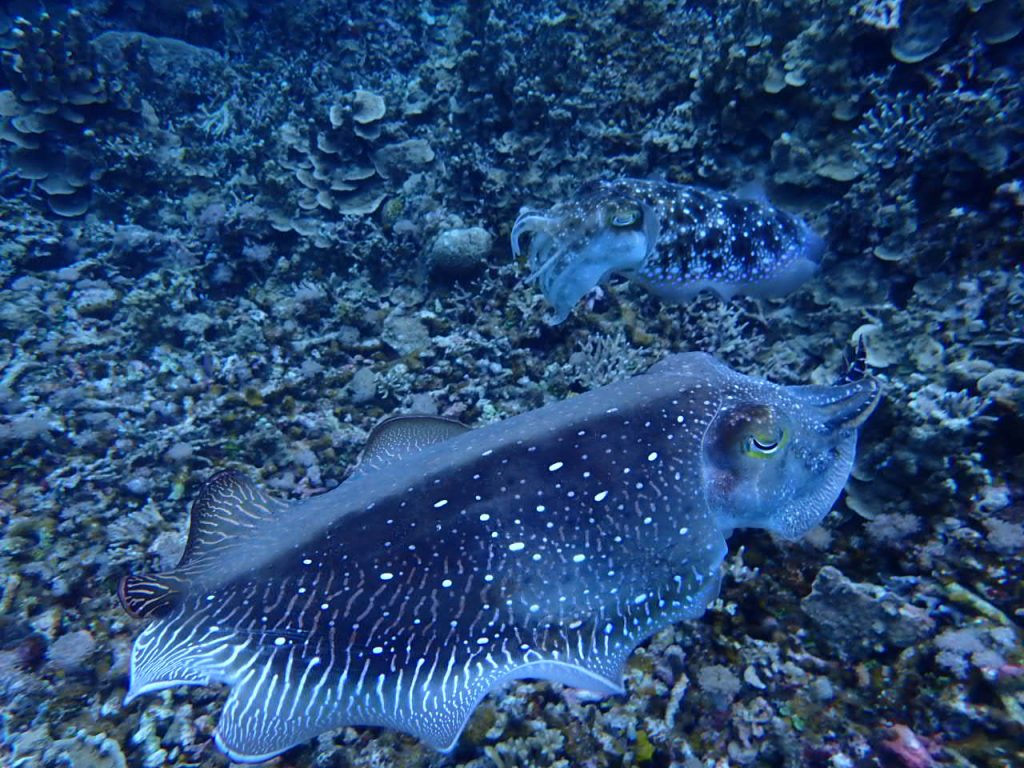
(624,216)
(759,448)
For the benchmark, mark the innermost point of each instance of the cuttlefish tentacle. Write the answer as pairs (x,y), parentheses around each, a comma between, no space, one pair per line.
(540,230)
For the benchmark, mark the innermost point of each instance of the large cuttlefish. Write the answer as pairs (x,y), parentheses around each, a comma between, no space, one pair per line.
(548,545)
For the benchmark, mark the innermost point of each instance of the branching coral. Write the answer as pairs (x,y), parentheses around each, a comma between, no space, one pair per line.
(58,94)
(603,358)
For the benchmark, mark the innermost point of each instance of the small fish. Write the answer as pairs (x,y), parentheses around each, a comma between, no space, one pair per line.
(453,561)
(674,240)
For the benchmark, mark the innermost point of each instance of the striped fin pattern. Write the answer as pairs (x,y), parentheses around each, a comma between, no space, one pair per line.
(289,684)
(149,595)
(225,516)
(401,436)
(230,509)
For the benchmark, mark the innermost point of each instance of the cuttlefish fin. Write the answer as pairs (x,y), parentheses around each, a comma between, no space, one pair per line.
(228,510)
(398,437)
(284,700)
(147,595)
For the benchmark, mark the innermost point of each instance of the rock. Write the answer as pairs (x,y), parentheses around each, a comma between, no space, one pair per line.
(70,652)
(178,453)
(405,334)
(362,388)
(183,67)
(860,619)
(167,548)
(460,251)
(1003,384)
(138,485)
(28,745)
(94,298)
(401,158)
(86,751)
(720,684)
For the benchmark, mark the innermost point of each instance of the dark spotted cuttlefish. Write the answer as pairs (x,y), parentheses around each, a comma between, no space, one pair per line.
(673,239)
(453,560)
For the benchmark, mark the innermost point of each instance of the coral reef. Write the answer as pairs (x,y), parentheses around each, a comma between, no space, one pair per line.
(58,104)
(217,221)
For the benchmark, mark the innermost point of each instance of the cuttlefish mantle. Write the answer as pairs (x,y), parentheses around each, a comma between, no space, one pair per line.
(545,546)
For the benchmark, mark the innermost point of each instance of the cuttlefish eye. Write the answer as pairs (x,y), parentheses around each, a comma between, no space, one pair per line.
(624,214)
(748,431)
(764,443)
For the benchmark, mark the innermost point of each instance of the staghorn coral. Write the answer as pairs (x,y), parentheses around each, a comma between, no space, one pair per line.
(906,134)
(603,358)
